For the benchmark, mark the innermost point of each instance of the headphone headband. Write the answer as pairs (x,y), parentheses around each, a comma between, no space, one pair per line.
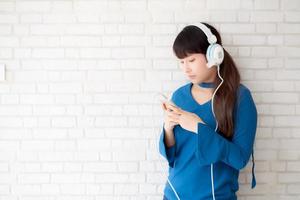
(211,38)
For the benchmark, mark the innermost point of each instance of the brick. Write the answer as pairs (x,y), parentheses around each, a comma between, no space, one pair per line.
(81,41)
(59,18)
(92,6)
(288,75)
(288,178)
(31,178)
(33,6)
(280,98)
(193,16)
(26,189)
(8,19)
(287,28)
(248,40)
(8,41)
(7,6)
(292,16)
(162,17)
(237,28)
(290,4)
(137,17)
(293,189)
(50,189)
(266,16)
(287,121)
(72,189)
(266,4)
(168,4)
(37,145)
(222,16)
(61,6)
(214,5)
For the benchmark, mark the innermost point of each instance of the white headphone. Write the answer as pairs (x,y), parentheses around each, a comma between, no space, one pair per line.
(214,52)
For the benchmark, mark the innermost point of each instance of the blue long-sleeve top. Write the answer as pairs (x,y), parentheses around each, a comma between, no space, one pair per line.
(191,156)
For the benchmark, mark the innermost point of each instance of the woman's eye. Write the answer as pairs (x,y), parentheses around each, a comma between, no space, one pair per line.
(192,60)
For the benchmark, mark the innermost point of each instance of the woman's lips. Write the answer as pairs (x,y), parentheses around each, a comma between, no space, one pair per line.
(192,76)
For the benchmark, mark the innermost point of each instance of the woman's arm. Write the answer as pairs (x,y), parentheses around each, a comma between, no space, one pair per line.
(167,150)
(169,138)
(212,147)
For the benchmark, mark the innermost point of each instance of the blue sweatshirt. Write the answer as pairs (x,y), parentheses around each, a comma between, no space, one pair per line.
(191,157)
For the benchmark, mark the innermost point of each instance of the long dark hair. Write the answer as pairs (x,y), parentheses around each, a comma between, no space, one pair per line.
(193,40)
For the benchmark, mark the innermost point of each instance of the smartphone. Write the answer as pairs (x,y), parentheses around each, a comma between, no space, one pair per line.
(163,99)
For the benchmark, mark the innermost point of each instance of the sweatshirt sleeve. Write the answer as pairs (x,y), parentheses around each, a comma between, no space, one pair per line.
(212,147)
(167,152)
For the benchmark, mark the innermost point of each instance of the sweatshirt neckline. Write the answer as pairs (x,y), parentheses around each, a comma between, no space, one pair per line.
(194,100)
(207,84)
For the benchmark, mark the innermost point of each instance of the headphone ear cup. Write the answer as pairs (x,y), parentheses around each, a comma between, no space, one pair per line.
(214,55)
(208,53)
(218,54)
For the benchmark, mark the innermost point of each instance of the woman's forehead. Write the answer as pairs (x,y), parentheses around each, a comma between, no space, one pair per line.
(189,55)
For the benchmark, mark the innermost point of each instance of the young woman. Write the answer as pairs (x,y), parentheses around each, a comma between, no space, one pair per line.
(210,123)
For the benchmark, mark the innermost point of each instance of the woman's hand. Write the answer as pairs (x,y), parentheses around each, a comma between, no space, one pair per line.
(169,122)
(185,119)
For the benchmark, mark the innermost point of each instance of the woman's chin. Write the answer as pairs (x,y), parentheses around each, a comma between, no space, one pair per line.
(194,81)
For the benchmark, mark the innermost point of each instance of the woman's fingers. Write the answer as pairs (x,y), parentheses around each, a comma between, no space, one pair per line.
(171,120)
(173,123)
(171,110)
(176,110)
(173,116)
(174,120)
(163,105)
(172,107)
(166,107)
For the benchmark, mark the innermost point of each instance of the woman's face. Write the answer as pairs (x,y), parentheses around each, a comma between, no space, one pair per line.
(195,69)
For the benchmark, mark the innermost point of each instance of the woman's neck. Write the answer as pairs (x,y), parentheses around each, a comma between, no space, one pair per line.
(198,88)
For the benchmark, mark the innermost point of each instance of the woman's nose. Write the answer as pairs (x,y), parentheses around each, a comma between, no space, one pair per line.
(186,67)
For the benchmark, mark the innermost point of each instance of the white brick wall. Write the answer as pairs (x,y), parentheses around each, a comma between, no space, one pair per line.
(76,108)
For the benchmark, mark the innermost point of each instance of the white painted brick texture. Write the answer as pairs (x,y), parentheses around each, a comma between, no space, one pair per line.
(76,107)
